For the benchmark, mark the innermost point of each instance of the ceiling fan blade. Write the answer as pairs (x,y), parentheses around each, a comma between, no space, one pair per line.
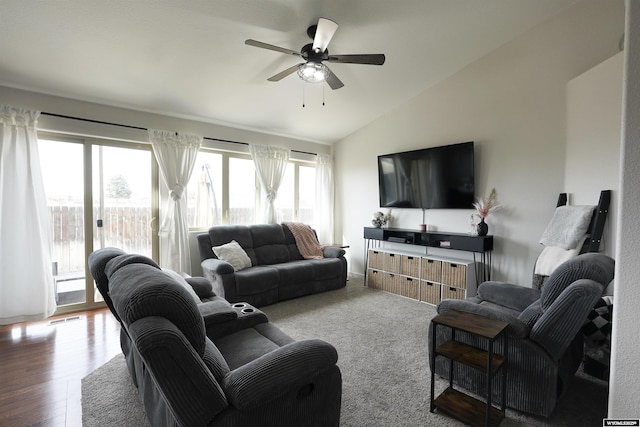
(324,32)
(282,74)
(262,45)
(332,80)
(371,59)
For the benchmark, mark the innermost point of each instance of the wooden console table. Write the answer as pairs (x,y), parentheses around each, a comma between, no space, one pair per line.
(460,405)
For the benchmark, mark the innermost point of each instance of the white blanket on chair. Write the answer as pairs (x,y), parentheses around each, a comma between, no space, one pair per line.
(552,256)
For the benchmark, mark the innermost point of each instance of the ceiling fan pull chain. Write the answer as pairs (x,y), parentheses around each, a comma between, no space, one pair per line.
(303,95)
(323,95)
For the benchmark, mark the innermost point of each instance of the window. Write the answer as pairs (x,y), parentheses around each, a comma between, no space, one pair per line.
(204,191)
(242,191)
(224,189)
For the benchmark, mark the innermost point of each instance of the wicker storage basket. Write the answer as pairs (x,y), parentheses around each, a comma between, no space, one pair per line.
(392,262)
(410,287)
(374,279)
(431,270)
(429,292)
(392,283)
(376,259)
(449,292)
(454,274)
(410,266)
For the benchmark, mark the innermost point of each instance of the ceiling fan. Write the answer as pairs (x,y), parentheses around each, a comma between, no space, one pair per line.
(313,70)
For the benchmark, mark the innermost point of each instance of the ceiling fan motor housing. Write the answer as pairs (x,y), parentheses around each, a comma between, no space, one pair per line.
(308,53)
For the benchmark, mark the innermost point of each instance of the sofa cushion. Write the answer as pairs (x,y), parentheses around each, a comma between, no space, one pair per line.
(244,346)
(269,244)
(256,280)
(294,272)
(233,253)
(327,268)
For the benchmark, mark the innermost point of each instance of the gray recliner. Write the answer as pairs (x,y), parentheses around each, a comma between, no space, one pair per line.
(545,346)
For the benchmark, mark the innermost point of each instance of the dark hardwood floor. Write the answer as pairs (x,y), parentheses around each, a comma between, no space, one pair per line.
(42,364)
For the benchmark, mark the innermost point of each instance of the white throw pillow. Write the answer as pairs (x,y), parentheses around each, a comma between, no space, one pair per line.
(178,278)
(568,225)
(233,253)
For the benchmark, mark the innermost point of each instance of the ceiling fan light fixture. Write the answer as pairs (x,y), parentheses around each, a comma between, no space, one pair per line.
(313,72)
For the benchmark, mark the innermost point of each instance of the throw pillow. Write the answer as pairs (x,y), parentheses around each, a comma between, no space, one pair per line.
(568,225)
(233,253)
(178,278)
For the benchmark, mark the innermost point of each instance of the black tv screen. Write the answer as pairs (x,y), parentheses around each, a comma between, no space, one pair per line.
(431,178)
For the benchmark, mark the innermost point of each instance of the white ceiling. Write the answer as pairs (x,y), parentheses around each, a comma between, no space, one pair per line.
(188,58)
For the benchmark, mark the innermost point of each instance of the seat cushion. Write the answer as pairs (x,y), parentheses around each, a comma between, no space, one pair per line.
(244,346)
(295,272)
(327,268)
(256,280)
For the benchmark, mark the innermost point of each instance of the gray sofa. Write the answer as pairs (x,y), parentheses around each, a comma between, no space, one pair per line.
(278,271)
(250,373)
(545,345)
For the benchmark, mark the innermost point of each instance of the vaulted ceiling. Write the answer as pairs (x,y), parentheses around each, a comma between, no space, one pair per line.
(187,58)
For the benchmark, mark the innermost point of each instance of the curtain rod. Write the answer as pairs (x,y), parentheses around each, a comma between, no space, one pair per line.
(100,122)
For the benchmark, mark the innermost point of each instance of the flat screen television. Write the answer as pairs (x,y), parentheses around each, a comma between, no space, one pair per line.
(431,178)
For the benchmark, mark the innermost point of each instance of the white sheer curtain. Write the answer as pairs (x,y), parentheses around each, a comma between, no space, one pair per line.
(26,278)
(271,164)
(323,212)
(176,156)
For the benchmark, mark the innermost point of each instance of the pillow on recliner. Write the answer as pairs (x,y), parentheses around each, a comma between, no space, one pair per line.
(233,253)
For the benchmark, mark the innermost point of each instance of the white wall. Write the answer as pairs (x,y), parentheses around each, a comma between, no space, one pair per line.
(512,103)
(594,117)
(125,116)
(624,388)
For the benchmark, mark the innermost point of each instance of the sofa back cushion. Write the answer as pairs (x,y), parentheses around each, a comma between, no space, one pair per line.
(269,244)
(265,244)
(141,290)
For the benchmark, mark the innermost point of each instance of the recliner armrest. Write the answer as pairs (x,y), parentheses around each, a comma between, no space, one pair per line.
(278,372)
(217,310)
(508,295)
(332,252)
(516,329)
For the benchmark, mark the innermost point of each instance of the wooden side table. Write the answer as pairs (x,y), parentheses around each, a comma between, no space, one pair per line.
(456,403)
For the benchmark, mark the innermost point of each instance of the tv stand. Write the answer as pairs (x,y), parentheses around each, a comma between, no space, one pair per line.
(482,245)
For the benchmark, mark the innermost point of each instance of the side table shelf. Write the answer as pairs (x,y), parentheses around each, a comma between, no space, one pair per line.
(456,403)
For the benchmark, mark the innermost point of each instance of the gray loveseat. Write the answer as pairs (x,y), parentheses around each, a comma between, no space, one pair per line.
(250,374)
(278,271)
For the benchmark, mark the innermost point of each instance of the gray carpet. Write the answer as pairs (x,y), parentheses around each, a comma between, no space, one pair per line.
(382,345)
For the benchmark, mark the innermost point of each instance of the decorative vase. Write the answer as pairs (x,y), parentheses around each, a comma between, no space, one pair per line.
(483,228)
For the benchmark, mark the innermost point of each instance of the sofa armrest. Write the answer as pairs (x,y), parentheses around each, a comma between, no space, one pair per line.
(217,266)
(508,295)
(217,310)
(516,329)
(278,372)
(332,252)
(201,286)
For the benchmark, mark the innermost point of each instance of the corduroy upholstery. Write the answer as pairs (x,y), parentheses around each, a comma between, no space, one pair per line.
(545,343)
(278,271)
(251,374)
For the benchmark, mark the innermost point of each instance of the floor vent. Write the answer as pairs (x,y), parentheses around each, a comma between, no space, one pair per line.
(66,319)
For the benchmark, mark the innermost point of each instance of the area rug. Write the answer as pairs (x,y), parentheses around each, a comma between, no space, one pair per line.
(382,345)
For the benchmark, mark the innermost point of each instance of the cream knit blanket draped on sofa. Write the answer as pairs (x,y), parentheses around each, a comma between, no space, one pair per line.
(306,240)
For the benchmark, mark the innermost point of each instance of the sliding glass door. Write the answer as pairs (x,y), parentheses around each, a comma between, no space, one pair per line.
(99,195)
